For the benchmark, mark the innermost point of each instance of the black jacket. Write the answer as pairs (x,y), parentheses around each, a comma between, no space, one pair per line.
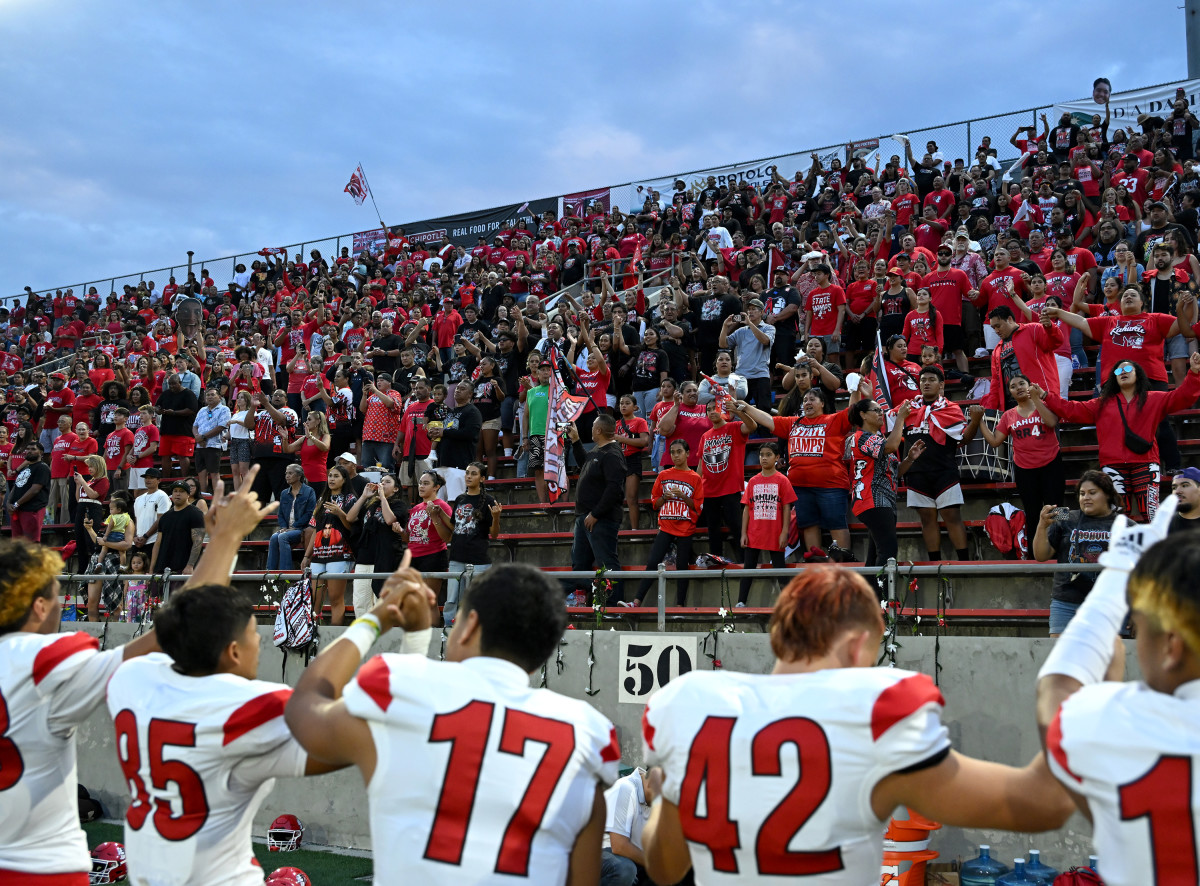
(601,491)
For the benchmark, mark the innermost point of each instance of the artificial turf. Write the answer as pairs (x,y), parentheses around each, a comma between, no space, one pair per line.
(323,868)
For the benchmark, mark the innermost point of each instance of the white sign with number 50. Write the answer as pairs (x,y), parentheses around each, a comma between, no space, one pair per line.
(648,663)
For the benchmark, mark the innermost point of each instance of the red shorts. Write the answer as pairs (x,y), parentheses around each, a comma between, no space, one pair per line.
(183,447)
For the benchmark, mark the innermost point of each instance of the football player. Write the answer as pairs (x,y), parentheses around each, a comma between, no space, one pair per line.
(50,683)
(795,773)
(472,777)
(1128,753)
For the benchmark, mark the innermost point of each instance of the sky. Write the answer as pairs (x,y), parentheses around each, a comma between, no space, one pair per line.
(133,131)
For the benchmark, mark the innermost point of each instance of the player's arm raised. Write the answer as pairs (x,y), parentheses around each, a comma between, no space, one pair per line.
(229,520)
(316,713)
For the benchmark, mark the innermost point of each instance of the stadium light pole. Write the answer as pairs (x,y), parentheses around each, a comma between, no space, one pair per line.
(1192,28)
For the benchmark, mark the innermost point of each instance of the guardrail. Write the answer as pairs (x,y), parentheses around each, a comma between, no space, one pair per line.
(892,574)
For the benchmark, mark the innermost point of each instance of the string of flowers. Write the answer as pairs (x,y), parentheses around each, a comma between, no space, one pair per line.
(591,661)
(601,590)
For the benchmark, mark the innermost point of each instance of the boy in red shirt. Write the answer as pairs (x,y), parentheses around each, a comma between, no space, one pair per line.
(678,496)
(765,521)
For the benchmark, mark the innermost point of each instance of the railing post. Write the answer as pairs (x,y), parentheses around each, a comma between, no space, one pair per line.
(893,571)
(662,596)
(970,148)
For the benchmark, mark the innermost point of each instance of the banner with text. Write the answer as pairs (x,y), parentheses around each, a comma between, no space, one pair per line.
(464,229)
(757,173)
(1126,106)
(577,204)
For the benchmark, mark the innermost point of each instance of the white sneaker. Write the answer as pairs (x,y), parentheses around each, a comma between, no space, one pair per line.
(740,605)
(982,352)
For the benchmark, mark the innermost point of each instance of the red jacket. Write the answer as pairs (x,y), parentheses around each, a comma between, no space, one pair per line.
(1034,346)
(1143,421)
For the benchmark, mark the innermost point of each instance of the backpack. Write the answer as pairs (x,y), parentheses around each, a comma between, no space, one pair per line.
(295,627)
(1078,877)
(1006,530)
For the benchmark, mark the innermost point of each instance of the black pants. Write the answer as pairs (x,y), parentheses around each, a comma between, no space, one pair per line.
(724,511)
(1039,487)
(1168,445)
(881,530)
(750,561)
(87,512)
(271,478)
(338,443)
(758,390)
(683,559)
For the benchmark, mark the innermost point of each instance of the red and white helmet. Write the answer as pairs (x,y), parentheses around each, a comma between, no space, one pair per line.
(108,864)
(284,834)
(288,877)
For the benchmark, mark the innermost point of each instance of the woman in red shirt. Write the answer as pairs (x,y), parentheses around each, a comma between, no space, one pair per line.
(923,326)
(430,525)
(1038,462)
(101,371)
(1127,400)
(593,381)
(876,470)
(685,420)
(634,436)
(678,496)
(765,521)
(658,441)
(314,451)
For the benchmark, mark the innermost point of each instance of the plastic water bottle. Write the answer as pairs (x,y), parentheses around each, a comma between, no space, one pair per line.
(1018,877)
(1039,871)
(1094,863)
(981,871)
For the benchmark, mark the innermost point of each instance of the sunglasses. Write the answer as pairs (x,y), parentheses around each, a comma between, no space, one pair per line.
(1123,370)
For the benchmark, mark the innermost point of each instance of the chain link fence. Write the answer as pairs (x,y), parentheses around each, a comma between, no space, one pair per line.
(955,140)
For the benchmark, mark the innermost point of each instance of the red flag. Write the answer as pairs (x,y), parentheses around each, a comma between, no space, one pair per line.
(273,250)
(724,399)
(357,188)
(631,272)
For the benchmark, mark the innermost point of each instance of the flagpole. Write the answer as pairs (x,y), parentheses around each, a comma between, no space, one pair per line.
(371,194)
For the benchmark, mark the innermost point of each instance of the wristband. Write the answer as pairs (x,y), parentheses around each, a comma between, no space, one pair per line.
(363,632)
(416,642)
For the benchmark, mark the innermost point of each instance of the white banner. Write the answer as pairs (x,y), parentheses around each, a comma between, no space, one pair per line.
(758,174)
(1126,106)
(647,663)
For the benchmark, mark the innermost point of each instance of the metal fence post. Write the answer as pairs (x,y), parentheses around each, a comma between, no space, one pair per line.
(893,571)
(662,596)
(970,147)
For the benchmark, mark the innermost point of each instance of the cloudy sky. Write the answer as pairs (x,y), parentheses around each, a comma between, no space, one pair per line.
(134,131)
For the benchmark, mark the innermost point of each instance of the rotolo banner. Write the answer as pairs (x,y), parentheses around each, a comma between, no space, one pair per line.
(757,173)
(466,228)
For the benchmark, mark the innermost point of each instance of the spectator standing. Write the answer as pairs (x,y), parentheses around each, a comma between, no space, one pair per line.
(210,427)
(488,397)
(29,492)
(117,447)
(145,447)
(767,516)
(297,503)
(753,340)
(60,401)
(177,407)
(383,514)
(678,497)
(1037,459)
(148,509)
(341,415)
(933,485)
(1076,537)
(476,518)
(457,439)
(1023,349)
(413,445)
(57,505)
(329,550)
(875,473)
(239,438)
(90,493)
(110,542)
(180,535)
(1129,411)
(825,310)
(274,425)
(634,436)
(724,377)
(535,393)
(723,469)
(709,308)
(948,288)
(684,419)
(382,408)
(430,526)
(598,502)
(313,447)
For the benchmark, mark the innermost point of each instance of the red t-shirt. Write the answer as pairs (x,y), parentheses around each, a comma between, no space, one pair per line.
(690,425)
(995,289)
(860,294)
(1034,443)
(59,403)
(767,498)
(658,410)
(919,331)
(114,445)
(596,384)
(815,449)
(631,427)
(142,438)
(313,461)
(947,289)
(824,303)
(929,234)
(423,538)
(82,447)
(1138,338)
(675,517)
(906,207)
(59,467)
(81,409)
(723,452)
(874,481)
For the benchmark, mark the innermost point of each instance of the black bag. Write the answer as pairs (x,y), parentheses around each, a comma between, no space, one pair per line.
(1133,442)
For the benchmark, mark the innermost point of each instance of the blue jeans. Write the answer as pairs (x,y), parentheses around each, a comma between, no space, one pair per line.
(645,401)
(454,587)
(1077,350)
(590,550)
(617,870)
(377,452)
(279,549)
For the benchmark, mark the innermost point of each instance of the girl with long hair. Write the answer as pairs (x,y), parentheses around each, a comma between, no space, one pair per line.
(329,551)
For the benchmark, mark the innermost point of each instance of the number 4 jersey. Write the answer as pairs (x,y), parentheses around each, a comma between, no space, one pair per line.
(1133,753)
(199,755)
(479,779)
(773,774)
(49,684)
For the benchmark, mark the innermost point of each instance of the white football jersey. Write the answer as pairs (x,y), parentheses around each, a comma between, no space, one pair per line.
(479,779)
(1134,753)
(773,774)
(49,684)
(199,755)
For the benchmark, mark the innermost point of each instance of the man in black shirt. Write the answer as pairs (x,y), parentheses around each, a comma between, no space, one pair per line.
(598,500)
(180,534)
(29,495)
(387,349)
(458,439)
(177,407)
(1157,233)
(674,337)
(710,308)
(782,310)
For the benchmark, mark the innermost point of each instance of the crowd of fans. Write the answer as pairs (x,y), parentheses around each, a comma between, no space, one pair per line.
(709,324)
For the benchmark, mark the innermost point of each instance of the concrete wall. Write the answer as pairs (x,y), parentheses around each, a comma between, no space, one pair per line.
(988,684)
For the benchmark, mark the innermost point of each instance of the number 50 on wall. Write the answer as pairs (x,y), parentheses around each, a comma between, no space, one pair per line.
(647,664)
